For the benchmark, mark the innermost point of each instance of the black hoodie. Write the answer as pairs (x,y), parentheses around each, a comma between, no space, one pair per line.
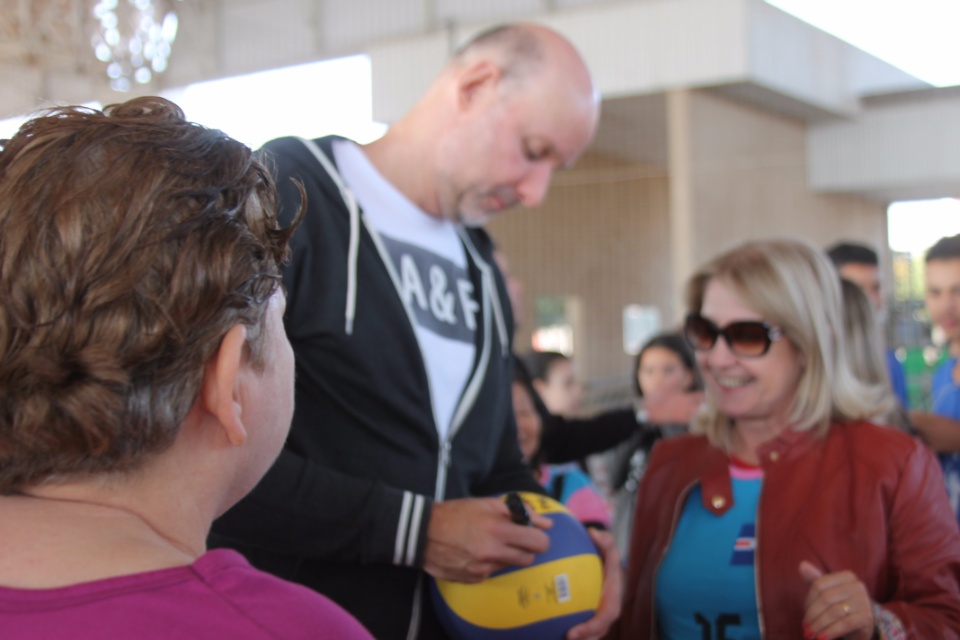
(345,508)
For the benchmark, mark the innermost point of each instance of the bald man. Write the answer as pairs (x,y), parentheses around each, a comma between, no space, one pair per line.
(401,327)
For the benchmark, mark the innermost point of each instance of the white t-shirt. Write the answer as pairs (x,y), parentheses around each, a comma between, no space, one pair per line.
(430,265)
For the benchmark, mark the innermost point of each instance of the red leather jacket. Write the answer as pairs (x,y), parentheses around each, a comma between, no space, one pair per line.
(864,498)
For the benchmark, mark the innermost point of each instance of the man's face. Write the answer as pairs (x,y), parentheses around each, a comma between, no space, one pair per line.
(508,144)
(867,277)
(943,295)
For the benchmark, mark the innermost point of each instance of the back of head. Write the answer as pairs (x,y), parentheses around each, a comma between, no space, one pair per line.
(791,284)
(947,248)
(130,242)
(528,57)
(852,253)
(517,48)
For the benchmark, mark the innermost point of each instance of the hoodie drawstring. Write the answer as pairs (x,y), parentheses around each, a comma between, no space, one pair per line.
(490,289)
(353,248)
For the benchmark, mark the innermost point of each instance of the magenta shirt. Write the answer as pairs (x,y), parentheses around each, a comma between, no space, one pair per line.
(218,596)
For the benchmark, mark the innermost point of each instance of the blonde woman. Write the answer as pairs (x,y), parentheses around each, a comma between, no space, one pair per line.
(788,514)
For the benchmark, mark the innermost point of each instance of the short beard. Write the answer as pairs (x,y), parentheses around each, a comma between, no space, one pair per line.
(473,221)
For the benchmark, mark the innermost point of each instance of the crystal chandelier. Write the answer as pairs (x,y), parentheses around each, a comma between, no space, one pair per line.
(133,37)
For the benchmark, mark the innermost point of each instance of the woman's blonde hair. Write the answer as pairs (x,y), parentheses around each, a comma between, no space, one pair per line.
(792,284)
(865,350)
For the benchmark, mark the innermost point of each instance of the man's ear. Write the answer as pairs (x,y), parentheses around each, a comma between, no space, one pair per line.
(473,80)
(221,387)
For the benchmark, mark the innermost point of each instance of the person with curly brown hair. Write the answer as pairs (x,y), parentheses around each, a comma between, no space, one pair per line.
(146,382)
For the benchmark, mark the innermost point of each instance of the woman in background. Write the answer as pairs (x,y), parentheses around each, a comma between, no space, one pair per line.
(787,513)
(665,365)
(555,379)
(565,483)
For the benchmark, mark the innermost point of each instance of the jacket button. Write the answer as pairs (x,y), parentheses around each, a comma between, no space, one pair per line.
(718,502)
(774,456)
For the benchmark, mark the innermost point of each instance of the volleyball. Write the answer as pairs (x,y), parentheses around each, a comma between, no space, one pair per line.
(544,600)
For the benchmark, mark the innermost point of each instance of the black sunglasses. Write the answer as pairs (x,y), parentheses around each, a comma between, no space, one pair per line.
(747,338)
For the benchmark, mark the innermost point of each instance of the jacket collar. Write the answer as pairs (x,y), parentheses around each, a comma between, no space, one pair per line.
(715,485)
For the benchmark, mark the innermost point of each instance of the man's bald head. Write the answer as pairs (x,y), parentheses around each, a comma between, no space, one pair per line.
(524,51)
(513,105)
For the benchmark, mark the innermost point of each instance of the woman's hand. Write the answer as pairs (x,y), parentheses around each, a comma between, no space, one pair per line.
(837,605)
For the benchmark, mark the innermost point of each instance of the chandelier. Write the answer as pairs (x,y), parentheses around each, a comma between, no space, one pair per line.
(133,38)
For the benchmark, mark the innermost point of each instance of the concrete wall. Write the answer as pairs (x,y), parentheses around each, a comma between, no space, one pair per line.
(902,147)
(602,237)
(746,172)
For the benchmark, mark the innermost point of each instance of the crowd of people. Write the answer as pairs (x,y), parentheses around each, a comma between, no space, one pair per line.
(272,395)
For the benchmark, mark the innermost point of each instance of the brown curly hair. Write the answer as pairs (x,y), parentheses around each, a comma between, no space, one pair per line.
(130,242)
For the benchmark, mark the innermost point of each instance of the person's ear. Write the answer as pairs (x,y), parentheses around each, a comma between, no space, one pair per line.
(473,80)
(221,387)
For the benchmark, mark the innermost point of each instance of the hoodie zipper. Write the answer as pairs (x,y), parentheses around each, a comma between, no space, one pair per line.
(353,247)
(488,292)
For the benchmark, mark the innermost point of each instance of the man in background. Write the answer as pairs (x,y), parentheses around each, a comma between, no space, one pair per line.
(858,263)
(940,428)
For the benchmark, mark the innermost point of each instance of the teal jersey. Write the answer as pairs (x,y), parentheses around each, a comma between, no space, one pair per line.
(705,588)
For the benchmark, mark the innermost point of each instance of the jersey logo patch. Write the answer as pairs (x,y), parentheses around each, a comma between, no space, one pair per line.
(744,546)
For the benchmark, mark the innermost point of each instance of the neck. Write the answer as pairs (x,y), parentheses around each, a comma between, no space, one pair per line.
(397,156)
(61,538)
(747,437)
(172,524)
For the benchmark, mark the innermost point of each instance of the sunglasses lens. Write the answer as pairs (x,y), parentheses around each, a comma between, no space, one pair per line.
(748,338)
(700,332)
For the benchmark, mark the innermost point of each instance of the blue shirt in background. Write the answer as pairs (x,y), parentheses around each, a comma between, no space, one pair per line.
(946,402)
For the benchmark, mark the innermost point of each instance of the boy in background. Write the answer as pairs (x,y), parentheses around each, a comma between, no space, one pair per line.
(940,428)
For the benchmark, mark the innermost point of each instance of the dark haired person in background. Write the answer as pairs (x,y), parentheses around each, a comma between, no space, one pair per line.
(665,367)
(940,427)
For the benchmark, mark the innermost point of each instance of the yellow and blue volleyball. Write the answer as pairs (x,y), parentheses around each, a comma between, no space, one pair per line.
(544,600)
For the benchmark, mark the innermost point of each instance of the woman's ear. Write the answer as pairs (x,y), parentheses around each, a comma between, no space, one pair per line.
(221,387)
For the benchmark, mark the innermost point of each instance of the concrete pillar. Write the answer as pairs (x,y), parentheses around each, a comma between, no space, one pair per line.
(680,164)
